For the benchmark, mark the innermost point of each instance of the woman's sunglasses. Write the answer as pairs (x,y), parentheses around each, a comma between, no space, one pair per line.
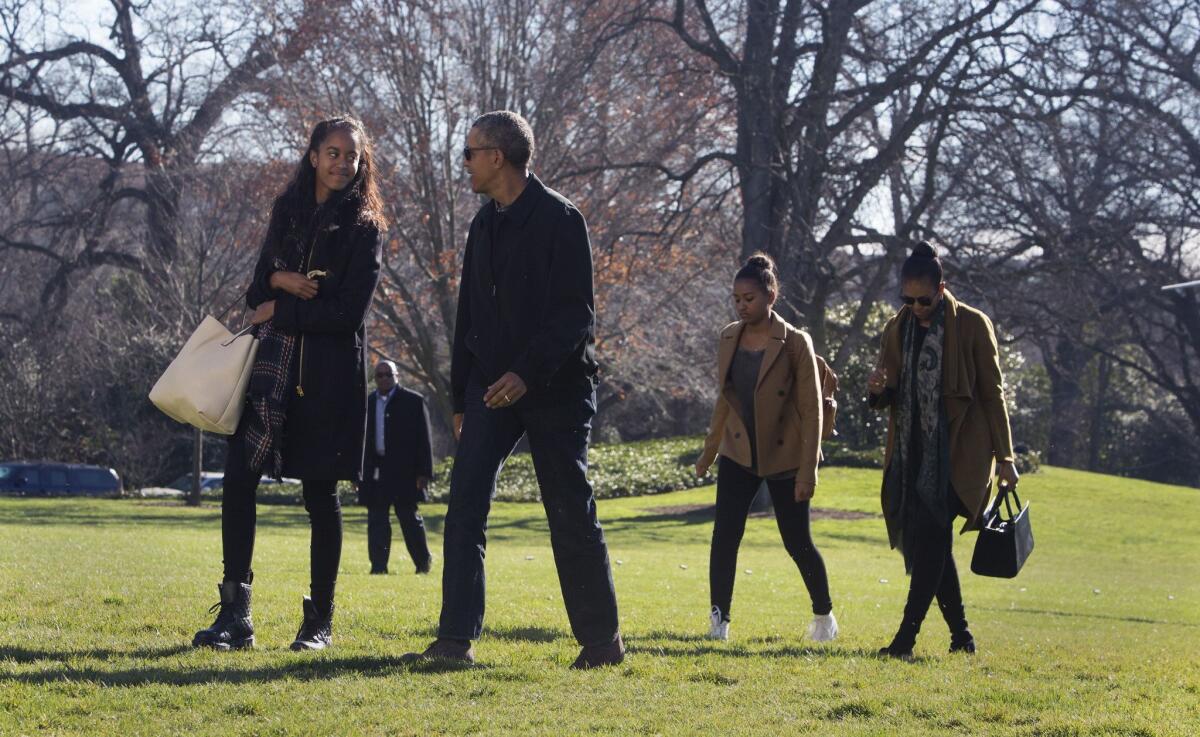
(923,301)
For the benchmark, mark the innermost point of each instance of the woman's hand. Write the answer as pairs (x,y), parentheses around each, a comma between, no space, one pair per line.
(458,422)
(702,467)
(804,490)
(1007,471)
(263,313)
(877,381)
(295,283)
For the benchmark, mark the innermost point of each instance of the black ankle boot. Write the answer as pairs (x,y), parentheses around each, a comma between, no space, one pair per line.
(232,629)
(902,644)
(962,642)
(316,631)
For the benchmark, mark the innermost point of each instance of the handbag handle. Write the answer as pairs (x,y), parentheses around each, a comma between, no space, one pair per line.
(238,334)
(1004,492)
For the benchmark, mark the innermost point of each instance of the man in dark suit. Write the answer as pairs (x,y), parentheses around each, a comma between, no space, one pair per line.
(523,365)
(396,469)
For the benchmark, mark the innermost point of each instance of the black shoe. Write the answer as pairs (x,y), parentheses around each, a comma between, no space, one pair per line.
(902,644)
(962,642)
(426,567)
(894,652)
(598,656)
(232,629)
(459,651)
(316,631)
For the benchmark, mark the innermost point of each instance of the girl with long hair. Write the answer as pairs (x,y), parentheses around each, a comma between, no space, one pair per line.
(306,406)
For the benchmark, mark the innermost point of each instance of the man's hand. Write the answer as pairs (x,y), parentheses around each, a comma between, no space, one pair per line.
(804,490)
(295,283)
(505,392)
(1007,471)
(877,381)
(458,420)
(422,483)
(702,467)
(263,313)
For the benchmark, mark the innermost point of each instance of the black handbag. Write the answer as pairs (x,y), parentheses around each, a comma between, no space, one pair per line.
(1004,544)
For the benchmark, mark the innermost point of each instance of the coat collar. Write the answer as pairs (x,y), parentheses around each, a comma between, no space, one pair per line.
(731,337)
(522,207)
(955,384)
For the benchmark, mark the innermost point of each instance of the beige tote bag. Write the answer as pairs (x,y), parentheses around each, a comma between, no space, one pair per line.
(205,386)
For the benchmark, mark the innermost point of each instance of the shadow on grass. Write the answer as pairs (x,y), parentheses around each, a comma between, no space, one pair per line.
(693,645)
(507,634)
(308,668)
(726,650)
(525,634)
(30,655)
(1084,615)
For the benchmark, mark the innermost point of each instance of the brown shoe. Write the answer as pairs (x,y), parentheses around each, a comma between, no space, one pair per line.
(459,651)
(598,656)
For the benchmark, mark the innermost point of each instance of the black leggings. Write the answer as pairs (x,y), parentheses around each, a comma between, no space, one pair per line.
(933,571)
(238,518)
(736,488)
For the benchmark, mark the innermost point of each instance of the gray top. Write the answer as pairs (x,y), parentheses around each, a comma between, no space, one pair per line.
(743,374)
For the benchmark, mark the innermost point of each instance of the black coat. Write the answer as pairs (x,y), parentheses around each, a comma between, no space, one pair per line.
(407,452)
(525,300)
(325,428)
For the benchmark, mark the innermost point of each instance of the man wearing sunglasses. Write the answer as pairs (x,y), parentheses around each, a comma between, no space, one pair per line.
(523,364)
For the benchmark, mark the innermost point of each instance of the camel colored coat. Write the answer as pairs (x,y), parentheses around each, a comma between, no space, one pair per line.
(973,392)
(787,406)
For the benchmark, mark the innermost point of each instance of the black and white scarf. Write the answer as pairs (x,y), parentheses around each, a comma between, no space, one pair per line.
(919,485)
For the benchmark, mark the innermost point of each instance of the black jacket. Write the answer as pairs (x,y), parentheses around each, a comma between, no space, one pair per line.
(325,428)
(525,300)
(408,453)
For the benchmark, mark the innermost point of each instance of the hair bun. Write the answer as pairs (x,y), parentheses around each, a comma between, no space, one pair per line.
(762,261)
(923,250)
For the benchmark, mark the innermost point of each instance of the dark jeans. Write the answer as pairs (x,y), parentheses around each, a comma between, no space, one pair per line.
(558,442)
(736,488)
(934,573)
(379,533)
(238,517)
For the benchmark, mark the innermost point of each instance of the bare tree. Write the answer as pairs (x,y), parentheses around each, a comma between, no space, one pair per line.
(149,104)
(826,99)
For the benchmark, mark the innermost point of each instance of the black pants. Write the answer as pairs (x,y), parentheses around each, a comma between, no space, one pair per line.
(933,571)
(736,488)
(379,532)
(238,517)
(558,442)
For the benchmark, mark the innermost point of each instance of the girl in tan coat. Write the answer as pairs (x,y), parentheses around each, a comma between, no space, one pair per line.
(766,426)
(939,375)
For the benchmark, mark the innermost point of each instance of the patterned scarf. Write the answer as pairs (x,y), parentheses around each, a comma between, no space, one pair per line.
(274,364)
(918,486)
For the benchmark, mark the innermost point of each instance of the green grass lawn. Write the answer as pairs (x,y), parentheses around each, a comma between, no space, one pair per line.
(1100,635)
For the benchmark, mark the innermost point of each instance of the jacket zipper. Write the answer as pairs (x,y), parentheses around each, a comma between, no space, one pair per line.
(300,369)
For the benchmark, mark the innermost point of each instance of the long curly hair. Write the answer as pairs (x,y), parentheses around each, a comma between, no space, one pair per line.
(362,194)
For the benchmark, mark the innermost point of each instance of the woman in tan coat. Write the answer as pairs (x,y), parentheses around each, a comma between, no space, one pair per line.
(939,375)
(766,426)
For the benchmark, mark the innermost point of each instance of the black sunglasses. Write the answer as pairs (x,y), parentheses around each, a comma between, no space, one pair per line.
(468,149)
(923,301)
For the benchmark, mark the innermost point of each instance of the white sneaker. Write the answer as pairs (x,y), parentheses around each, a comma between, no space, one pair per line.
(718,626)
(823,628)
